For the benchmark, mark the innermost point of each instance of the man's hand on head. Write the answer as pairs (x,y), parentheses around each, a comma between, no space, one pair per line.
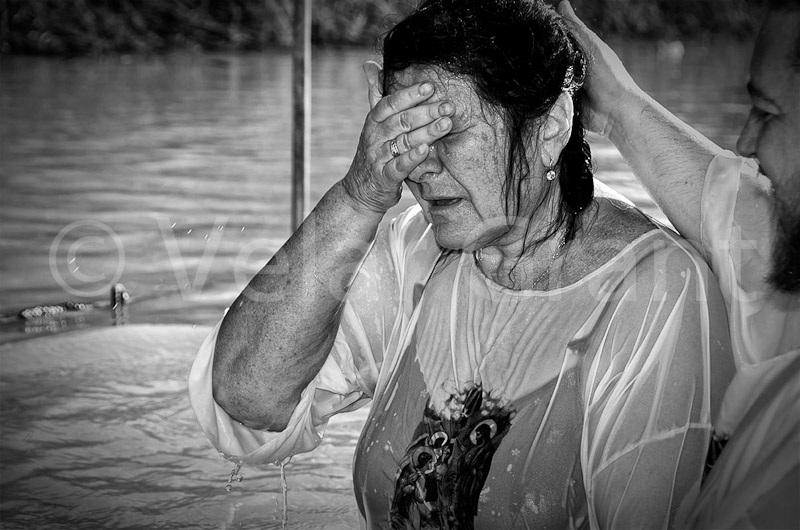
(608,85)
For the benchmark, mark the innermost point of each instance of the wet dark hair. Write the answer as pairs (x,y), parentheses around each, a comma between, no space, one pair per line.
(517,55)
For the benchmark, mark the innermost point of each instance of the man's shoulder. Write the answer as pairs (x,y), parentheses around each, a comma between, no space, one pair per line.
(735,185)
(737,206)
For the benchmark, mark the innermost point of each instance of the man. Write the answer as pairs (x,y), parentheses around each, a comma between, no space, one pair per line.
(743,214)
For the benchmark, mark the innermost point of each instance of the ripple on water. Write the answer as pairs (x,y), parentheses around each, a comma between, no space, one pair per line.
(107,439)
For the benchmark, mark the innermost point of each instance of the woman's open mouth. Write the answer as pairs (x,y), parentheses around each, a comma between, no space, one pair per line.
(441,203)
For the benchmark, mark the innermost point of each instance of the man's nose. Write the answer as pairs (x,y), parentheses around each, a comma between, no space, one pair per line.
(748,138)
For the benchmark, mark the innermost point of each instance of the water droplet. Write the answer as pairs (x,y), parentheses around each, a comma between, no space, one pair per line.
(173,225)
(189,231)
(205,237)
(234,474)
(242,229)
(220,228)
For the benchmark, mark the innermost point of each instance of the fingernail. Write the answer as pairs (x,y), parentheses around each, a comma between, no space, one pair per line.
(445,109)
(425,89)
(443,124)
(421,149)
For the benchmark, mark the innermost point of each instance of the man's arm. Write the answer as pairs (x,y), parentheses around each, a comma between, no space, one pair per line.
(668,156)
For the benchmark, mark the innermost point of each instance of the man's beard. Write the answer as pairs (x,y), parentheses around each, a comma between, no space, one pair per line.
(785,271)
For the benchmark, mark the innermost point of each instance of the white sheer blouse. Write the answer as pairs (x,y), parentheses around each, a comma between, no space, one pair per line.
(588,406)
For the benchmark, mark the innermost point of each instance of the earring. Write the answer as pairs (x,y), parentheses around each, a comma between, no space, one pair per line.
(551,173)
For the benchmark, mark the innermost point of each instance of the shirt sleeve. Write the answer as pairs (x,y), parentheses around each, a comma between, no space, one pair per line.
(373,310)
(656,377)
(737,234)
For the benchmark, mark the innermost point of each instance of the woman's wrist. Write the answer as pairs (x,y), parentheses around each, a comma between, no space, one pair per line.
(361,201)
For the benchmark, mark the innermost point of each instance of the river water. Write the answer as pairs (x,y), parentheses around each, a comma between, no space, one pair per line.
(171,175)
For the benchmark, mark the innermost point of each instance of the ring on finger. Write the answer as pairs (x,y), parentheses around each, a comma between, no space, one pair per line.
(394,149)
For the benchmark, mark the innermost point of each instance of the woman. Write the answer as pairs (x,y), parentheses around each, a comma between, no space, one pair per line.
(535,357)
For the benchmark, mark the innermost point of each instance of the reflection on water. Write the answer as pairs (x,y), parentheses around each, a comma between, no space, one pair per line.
(170,174)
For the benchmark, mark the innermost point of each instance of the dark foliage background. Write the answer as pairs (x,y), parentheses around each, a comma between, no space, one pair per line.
(72,27)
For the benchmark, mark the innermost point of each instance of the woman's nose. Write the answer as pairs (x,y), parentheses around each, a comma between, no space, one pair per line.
(428,167)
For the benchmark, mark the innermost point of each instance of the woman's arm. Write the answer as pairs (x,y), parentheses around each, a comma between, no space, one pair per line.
(669,157)
(279,331)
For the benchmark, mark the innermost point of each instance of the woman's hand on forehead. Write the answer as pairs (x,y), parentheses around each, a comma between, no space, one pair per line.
(413,117)
(395,140)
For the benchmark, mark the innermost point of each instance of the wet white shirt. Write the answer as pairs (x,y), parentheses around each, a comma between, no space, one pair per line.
(588,406)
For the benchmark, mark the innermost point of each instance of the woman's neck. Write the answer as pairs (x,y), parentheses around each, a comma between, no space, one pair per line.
(524,258)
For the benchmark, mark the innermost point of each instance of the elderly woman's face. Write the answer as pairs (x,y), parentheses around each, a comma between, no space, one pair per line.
(460,184)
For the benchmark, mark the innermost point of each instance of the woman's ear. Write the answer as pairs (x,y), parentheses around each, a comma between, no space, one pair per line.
(374,74)
(556,129)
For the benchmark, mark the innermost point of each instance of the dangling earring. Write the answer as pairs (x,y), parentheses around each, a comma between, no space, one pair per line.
(551,174)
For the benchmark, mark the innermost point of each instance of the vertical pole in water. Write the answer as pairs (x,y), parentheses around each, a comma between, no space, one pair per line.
(301,101)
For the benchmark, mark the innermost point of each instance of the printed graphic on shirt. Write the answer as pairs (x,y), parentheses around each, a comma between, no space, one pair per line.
(440,478)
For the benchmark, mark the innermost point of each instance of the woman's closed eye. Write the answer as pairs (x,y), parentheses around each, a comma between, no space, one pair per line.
(449,140)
